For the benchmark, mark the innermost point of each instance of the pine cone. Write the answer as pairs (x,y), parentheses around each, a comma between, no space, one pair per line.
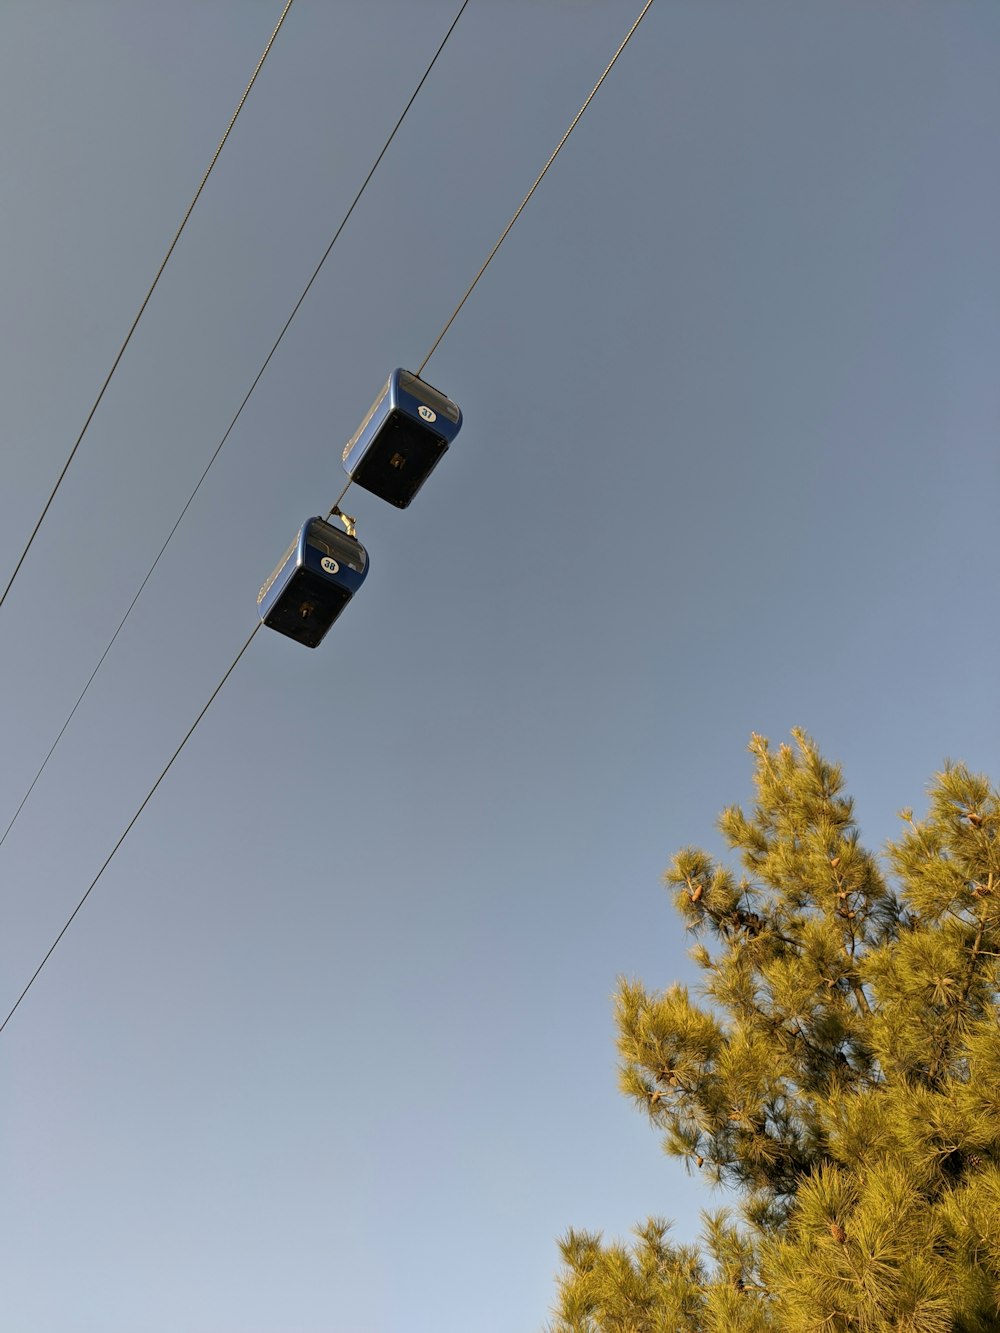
(838,1233)
(697,892)
(750,921)
(835,861)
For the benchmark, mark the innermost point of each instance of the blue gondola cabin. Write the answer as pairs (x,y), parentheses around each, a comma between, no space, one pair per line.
(315,579)
(401,440)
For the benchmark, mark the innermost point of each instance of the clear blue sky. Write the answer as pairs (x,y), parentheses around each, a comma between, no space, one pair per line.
(330,1046)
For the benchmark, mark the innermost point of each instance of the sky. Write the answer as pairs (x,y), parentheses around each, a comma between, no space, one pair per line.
(330,1046)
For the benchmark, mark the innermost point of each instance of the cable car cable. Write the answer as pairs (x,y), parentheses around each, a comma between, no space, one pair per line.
(142,308)
(333,509)
(232,424)
(555,154)
(394,492)
(129,826)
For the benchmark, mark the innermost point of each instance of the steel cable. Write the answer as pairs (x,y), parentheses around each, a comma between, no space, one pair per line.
(129,825)
(142,308)
(541,175)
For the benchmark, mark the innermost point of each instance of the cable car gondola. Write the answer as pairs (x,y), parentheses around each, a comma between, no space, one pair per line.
(315,579)
(401,440)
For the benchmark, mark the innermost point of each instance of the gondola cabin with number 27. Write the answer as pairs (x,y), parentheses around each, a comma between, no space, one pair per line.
(401,440)
(315,579)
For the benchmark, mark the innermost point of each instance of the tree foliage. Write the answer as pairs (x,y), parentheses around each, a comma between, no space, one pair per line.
(839,1076)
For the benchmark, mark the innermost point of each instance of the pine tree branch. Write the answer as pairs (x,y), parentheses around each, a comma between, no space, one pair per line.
(976,946)
(858,991)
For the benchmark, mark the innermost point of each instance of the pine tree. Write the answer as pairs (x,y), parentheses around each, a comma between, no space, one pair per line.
(840,1076)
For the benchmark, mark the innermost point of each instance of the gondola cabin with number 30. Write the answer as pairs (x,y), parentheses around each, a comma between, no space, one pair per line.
(315,579)
(401,440)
